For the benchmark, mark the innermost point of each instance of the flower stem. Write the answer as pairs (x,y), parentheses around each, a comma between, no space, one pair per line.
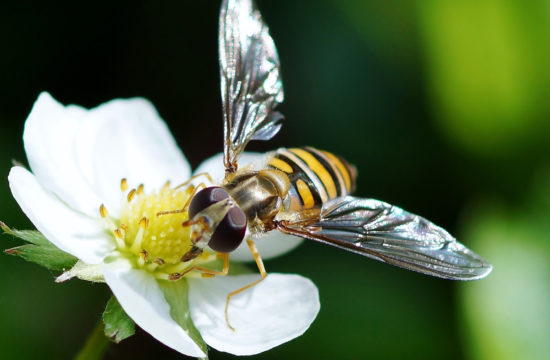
(95,346)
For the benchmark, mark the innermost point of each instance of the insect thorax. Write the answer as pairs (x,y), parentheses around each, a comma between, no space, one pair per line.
(259,194)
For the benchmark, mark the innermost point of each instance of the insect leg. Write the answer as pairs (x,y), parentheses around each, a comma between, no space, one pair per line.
(205,272)
(194,190)
(261,267)
(210,272)
(196,176)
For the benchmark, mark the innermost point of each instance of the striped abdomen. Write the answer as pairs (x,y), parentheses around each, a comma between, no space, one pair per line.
(315,176)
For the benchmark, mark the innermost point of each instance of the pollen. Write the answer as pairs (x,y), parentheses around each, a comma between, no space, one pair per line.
(103,211)
(154,239)
(131,195)
(124,184)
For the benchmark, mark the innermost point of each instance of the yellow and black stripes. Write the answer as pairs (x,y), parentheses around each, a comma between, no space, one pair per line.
(315,176)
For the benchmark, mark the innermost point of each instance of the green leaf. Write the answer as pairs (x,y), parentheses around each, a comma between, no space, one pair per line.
(32,236)
(48,256)
(40,250)
(176,294)
(118,325)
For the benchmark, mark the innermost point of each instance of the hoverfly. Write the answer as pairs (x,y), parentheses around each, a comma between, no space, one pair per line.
(300,191)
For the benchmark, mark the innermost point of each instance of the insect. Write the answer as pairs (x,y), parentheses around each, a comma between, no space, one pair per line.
(299,191)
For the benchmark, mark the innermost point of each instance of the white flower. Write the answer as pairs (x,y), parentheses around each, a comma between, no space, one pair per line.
(78,158)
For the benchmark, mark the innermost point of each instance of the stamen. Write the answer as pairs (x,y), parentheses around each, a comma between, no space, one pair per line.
(119,237)
(154,243)
(142,258)
(158,261)
(109,224)
(152,266)
(174,276)
(103,211)
(144,223)
(143,254)
(136,246)
(176,268)
(124,184)
(131,195)
(162,275)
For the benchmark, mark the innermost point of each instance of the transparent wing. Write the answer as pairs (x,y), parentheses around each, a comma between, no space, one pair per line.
(387,233)
(251,85)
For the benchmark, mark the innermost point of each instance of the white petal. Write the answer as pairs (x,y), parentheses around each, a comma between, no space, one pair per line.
(49,139)
(70,231)
(128,139)
(142,299)
(214,165)
(273,312)
(81,155)
(270,245)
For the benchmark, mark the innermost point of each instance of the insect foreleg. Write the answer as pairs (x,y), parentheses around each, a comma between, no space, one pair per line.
(194,190)
(210,272)
(205,272)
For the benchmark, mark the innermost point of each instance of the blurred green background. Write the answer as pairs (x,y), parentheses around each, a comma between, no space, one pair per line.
(442,105)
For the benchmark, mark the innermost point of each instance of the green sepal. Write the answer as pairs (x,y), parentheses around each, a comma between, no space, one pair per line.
(176,294)
(31,236)
(117,324)
(40,251)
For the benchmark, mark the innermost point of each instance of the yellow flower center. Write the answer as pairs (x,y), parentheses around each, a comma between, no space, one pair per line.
(150,232)
(161,236)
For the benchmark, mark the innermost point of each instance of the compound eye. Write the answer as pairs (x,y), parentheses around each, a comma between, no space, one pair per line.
(230,232)
(205,198)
